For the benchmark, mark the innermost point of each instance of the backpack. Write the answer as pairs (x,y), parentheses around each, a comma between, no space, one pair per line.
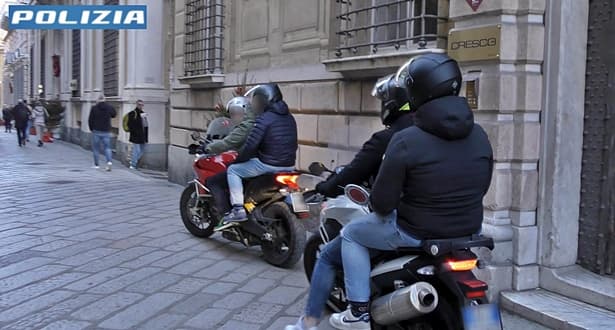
(125,122)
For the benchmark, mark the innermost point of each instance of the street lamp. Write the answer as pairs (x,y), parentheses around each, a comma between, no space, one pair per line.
(40,91)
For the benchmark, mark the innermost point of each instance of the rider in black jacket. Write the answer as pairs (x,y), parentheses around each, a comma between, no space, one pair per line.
(434,175)
(395,114)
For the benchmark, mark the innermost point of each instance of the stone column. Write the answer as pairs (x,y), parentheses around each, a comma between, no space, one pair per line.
(509,105)
(144,68)
(562,132)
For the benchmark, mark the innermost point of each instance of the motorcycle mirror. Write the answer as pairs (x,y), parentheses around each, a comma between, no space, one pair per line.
(317,168)
(195,135)
(357,194)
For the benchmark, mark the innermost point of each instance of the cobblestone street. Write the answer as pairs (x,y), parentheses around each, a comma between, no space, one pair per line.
(83,248)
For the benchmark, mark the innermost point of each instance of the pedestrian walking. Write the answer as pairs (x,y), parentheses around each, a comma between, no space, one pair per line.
(138,127)
(21,115)
(7,116)
(100,124)
(40,114)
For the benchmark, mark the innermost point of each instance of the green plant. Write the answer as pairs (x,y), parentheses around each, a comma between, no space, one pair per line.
(55,109)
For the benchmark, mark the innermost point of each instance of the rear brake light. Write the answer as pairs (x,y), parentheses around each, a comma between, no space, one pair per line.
(475,294)
(303,215)
(462,265)
(288,180)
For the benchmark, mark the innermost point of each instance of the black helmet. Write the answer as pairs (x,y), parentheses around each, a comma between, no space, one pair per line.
(269,92)
(394,99)
(428,77)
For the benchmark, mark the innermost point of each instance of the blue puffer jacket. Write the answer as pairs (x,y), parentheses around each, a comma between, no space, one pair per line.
(273,138)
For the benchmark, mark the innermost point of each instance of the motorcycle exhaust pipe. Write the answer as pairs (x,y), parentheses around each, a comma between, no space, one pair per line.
(405,303)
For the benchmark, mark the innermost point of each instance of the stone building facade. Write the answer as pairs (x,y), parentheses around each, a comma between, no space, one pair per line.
(326,55)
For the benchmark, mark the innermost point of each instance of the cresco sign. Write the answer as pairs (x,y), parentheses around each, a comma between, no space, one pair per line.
(77,17)
(475,43)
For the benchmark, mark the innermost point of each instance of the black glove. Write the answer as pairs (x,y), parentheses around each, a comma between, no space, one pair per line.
(329,189)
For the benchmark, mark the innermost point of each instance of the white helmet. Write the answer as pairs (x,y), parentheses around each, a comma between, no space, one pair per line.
(238,103)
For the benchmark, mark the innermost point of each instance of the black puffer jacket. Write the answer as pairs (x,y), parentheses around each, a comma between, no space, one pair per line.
(366,162)
(436,173)
(273,139)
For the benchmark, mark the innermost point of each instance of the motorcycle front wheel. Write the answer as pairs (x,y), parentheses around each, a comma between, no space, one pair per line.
(288,237)
(196,215)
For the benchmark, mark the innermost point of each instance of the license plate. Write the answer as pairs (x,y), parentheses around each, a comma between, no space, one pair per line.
(299,204)
(482,317)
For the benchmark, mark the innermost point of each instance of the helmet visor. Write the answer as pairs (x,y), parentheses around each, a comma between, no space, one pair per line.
(381,88)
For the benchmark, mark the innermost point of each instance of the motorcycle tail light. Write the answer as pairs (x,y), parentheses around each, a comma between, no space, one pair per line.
(288,180)
(303,215)
(461,265)
(473,288)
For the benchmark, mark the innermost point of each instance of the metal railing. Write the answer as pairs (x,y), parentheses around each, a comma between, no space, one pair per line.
(368,26)
(203,47)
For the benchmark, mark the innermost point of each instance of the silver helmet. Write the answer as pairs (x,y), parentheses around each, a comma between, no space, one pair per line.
(238,104)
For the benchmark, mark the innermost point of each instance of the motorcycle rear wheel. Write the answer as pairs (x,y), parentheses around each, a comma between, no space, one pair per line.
(199,225)
(288,237)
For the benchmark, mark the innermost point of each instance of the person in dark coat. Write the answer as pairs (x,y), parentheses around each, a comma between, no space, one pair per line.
(99,122)
(7,116)
(395,115)
(138,127)
(271,146)
(430,185)
(21,115)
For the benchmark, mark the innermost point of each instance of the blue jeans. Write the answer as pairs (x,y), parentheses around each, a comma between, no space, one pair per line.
(372,231)
(103,138)
(250,169)
(28,126)
(323,277)
(137,152)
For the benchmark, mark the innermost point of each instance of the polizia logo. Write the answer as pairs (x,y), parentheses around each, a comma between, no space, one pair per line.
(77,17)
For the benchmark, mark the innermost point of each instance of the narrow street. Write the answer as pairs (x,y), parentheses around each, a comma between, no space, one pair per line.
(82,248)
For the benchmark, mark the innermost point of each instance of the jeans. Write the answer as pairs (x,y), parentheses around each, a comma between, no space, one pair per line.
(28,126)
(21,135)
(103,138)
(323,277)
(7,126)
(372,231)
(250,169)
(40,129)
(137,152)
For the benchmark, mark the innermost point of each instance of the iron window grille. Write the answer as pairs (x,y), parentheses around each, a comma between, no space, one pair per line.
(203,47)
(76,61)
(370,26)
(110,58)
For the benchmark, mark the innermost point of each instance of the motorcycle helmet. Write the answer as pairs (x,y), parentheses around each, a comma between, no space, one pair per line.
(263,95)
(238,104)
(394,99)
(430,76)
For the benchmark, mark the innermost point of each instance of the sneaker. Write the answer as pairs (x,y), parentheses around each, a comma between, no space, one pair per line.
(132,168)
(40,143)
(96,167)
(108,168)
(237,214)
(346,320)
(299,326)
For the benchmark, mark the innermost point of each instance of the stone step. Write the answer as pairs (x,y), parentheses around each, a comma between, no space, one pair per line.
(580,284)
(555,311)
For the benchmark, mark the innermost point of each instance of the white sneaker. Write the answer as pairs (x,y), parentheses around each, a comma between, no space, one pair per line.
(132,167)
(108,169)
(299,326)
(96,167)
(346,321)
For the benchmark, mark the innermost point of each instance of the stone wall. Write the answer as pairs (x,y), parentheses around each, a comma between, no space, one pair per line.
(509,107)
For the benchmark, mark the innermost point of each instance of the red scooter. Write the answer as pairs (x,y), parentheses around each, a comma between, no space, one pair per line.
(275,205)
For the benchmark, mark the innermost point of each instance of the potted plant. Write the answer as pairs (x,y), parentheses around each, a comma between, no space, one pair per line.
(55,109)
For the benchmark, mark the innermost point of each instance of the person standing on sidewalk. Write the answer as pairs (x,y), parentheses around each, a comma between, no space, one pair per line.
(30,119)
(138,128)
(100,125)
(21,115)
(40,114)
(7,116)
